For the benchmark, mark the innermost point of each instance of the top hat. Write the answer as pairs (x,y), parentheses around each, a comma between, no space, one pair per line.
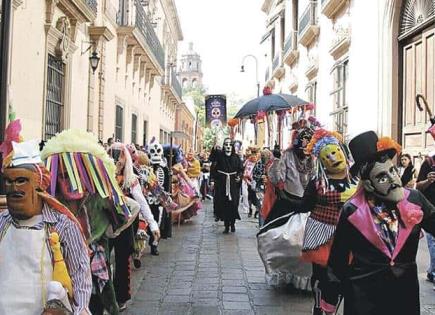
(367,147)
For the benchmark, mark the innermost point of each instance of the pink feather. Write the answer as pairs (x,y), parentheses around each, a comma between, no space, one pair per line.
(12,133)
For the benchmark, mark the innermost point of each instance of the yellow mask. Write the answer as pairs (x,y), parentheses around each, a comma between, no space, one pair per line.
(333,158)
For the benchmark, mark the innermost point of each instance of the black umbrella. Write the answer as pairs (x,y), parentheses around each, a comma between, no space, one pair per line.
(269,103)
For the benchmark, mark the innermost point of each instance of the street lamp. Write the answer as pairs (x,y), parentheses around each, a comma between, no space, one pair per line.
(94,60)
(242,69)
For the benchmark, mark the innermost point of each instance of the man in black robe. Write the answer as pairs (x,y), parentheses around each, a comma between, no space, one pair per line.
(226,173)
(375,245)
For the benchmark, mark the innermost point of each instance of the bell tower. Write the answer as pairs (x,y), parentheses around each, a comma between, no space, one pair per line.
(191,69)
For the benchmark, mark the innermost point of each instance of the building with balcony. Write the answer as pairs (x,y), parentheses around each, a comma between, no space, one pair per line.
(133,91)
(361,62)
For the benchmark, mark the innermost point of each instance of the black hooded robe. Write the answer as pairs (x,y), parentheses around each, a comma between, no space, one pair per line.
(225,209)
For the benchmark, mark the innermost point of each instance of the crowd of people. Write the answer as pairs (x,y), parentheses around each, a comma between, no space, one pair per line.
(71,203)
(336,219)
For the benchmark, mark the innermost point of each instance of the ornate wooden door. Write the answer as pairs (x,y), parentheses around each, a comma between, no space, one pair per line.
(418,77)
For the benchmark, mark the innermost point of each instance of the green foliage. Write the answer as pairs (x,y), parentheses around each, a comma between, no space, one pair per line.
(198,96)
(214,135)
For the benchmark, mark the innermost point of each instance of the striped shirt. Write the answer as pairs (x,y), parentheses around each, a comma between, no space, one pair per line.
(74,252)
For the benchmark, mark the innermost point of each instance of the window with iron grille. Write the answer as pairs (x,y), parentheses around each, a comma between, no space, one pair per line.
(119,123)
(145,132)
(133,128)
(340,106)
(54,106)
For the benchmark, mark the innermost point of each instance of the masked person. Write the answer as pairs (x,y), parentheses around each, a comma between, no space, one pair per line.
(160,167)
(93,195)
(373,255)
(331,186)
(124,244)
(44,262)
(226,174)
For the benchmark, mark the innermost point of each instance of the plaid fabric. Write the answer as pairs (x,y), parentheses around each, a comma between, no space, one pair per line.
(328,208)
(99,266)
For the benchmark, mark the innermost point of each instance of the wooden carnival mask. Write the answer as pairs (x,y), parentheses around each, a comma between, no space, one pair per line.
(22,196)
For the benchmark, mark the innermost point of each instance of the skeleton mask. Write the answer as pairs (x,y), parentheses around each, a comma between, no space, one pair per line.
(155,151)
(228,146)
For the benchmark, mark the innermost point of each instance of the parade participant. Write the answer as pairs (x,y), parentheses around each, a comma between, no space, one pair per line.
(292,172)
(193,170)
(374,250)
(83,178)
(248,179)
(205,176)
(258,175)
(269,190)
(124,243)
(324,197)
(160,168)
(44,259)
(280,239)
(226,174)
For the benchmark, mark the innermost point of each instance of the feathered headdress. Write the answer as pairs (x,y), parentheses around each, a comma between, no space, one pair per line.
(88,168)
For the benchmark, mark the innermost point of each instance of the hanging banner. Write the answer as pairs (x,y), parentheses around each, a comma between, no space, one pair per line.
(216,110)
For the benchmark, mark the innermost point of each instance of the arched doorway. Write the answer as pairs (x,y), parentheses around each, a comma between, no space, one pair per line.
(417,73)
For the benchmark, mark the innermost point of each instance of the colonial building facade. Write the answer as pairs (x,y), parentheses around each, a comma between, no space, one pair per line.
(361,62)
(133,92)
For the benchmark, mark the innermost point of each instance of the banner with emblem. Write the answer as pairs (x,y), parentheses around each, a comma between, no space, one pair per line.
(215,110)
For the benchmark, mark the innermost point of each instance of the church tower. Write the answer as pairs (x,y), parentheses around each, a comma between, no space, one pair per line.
(191,71)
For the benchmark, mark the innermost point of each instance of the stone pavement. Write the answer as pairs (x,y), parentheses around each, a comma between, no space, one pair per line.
(202,271)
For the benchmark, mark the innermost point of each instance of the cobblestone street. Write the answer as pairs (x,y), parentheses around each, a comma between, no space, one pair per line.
(202,271)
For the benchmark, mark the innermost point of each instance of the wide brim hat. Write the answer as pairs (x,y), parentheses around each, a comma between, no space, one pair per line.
(367,147)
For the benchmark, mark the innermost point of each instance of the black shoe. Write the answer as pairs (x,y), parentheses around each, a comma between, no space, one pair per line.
(233,228)
(216,219)
(137,263)
(317,311)
(256,215)
(227,230)
(429,277)
(154,250)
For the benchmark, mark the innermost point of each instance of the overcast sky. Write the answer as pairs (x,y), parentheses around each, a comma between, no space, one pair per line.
(223,31)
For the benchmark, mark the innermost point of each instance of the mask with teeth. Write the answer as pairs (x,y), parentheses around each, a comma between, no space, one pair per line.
(155,150)
(228,146)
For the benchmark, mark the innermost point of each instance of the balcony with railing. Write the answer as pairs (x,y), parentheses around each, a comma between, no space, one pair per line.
(134,22)
(93,5)
(291,52)
(278,70)
(176,85)
(80,10)
(330,8)
(308,24)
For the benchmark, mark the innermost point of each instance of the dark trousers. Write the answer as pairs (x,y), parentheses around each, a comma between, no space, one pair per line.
(322,287)
(124,248)
(252,199)
(229,223)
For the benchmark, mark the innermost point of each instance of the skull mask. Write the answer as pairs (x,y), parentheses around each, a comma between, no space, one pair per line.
(228,146)
(155,151)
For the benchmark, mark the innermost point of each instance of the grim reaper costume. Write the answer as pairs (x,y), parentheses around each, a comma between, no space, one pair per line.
(226,175)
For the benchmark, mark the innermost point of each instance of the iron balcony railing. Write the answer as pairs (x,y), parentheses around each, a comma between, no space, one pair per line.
(309,17)
(275,63)
(141,21)
(176,85)
(93,4)
(266,77)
